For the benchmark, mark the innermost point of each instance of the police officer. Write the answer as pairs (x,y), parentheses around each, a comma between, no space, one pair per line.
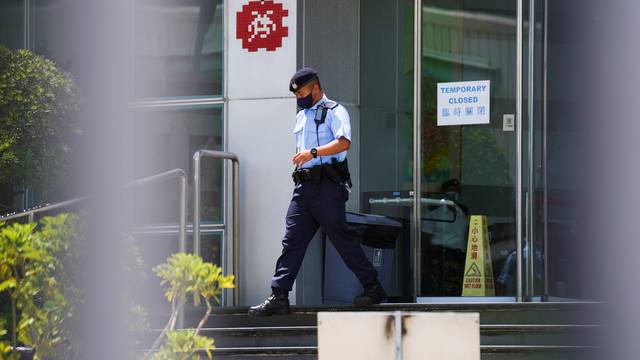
(322,181)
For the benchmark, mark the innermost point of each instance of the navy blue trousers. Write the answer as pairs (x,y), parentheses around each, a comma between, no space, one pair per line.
(319,204)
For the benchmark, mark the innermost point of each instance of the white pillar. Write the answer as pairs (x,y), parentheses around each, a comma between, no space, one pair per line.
(260,119)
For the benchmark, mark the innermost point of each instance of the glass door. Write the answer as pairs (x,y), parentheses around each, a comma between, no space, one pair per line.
(468,151)
(385,165)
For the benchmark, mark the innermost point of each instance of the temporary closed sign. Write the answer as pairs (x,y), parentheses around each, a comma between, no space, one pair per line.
(464,103)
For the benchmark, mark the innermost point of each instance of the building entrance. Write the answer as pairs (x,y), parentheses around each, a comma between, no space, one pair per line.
(468,151)
(449,115)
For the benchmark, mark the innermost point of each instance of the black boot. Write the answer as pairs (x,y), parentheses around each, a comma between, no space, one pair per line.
(373,294)
(277,303)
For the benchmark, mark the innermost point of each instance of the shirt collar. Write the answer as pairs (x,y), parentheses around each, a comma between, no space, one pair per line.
(321,101)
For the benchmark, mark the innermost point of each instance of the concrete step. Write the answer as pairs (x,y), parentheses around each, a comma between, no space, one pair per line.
(540,335)
(486,353)
(546,352)
(284,336)
(273,353)
(527,331)
(490,335)
(580,313)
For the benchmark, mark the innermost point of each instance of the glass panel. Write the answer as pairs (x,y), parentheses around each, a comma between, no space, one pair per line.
(565,248)
(12,24)
(166,139)
(533,186)
(210,248)
(18,196)
(51,35)
(386,131)
(471,166)
(178,48)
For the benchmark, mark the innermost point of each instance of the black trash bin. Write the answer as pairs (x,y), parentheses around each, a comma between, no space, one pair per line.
(377,235)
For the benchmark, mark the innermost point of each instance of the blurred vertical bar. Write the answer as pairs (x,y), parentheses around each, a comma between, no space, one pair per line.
(417,149)
(609,92)
(545,134)
(519,195)
(531,168)
(101,39)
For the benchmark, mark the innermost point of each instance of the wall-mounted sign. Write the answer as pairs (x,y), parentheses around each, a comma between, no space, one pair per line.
(508,122)
(260,25)
(261,48)
(464,103)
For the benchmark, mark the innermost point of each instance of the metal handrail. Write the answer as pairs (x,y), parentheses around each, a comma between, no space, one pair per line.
(409,201)
(182,231)
(151,179)
(235,213)
(30,213)
(171,174)
(424,201)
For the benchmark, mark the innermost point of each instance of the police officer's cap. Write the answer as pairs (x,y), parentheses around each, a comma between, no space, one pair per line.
(301,78)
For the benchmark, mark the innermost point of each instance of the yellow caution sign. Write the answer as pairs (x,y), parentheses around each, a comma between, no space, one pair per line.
(478,272)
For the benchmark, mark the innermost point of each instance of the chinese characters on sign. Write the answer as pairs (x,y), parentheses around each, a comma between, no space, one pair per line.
(464,103)
(478,274)
(260,25)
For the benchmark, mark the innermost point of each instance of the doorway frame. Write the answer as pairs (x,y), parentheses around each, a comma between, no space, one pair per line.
(523,219)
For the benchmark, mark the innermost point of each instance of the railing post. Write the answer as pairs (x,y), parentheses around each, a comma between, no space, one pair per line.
(196,203)
(197,156)
(236,229)
(182,237)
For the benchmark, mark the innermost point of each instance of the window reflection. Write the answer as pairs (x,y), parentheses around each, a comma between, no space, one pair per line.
(166,139)
(178,48)
(467,42)
(11,24)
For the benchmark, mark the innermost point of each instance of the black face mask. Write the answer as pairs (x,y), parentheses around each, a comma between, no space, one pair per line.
(305,102)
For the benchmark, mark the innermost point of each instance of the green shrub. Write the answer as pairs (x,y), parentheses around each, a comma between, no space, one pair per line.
(38,276)
(183,345)
(187,275)
(37,126)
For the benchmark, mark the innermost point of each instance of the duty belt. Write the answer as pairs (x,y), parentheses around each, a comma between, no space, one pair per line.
(308,174)
(336,171)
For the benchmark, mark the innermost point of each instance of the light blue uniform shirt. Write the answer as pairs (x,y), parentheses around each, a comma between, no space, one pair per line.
(336,125)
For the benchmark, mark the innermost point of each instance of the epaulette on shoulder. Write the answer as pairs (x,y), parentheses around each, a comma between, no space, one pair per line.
(330,104)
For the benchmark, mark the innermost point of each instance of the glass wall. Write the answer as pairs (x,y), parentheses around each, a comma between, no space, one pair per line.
(165,139)
(177,108)
(177,57)
(11,37)
(178,62)
(559,269)
(178,48)
(12,24)
(50,34)
(473,165)
(386,126)
(176,104)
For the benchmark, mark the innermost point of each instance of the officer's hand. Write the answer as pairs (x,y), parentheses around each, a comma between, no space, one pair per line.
(302,157)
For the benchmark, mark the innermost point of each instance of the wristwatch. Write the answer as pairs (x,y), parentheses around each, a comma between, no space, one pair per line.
(314,152)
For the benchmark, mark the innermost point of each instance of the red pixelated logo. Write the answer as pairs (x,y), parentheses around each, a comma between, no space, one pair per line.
(259,25)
